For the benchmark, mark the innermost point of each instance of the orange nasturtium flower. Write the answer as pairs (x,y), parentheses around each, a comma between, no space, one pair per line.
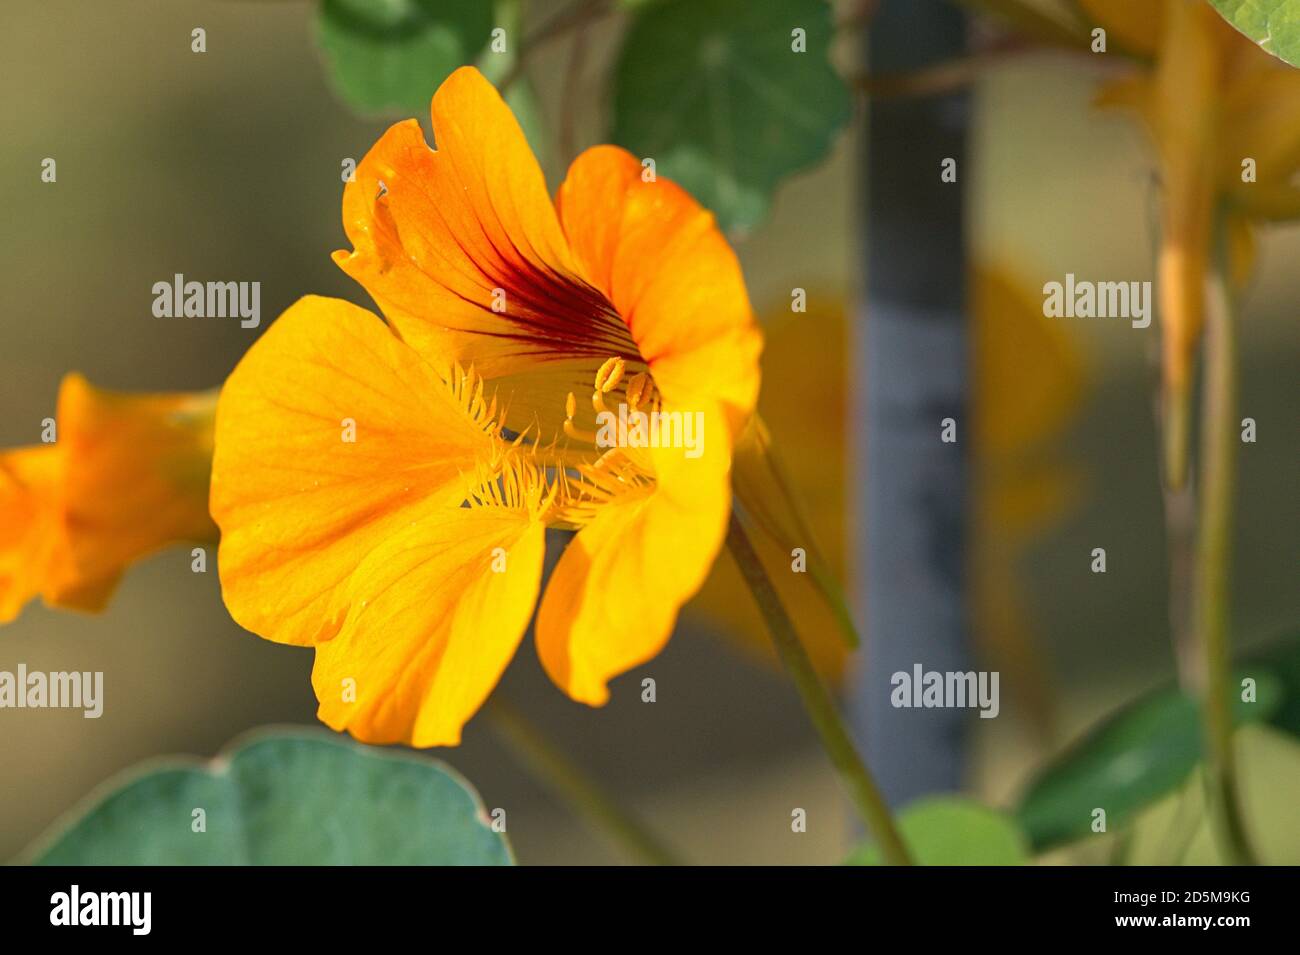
(374,501)
(126,475)
(1224,117)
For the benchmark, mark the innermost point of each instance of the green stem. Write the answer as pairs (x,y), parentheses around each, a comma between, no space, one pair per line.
(1211,604)
(1180,531)
(558,772)
(854,774)
(577,14)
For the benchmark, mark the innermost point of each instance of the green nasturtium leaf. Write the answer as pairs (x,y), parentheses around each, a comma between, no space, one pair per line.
(1273,24)
(1130,760)
(388,56)
(950,830)
(714,92)
(283,798)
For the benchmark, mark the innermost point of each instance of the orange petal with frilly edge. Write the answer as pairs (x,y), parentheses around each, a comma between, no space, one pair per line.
(462,250)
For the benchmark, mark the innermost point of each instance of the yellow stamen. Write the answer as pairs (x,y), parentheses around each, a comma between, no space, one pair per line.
(571,429)
(638,389)
(579,486)
(610,374)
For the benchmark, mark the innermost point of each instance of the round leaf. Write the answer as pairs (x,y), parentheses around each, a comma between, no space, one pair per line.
(288,798)
(1273,24)
(948,830)
(716,93)
(390,55)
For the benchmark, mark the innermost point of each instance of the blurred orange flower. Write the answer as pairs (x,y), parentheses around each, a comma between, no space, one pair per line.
(806,352)
(126,476)
(1028,385)
(373,502)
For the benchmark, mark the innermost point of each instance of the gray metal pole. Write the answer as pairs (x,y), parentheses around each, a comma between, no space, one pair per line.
(911,352)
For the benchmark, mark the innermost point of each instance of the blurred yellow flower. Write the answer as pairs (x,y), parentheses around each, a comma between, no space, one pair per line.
(1028,384)
(1224,117)
(126,476)
(806,354)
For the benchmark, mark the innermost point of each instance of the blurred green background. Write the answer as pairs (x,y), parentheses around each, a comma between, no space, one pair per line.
(226,165)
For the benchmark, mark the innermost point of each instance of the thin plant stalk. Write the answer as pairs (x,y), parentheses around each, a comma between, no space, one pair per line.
(1180,533)
(584,795)
(1211,602)
(853,772)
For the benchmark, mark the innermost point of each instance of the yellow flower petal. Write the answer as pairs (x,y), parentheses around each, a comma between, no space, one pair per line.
(298,503)
(31,523)
(613,598)
(433,616)
(1028,377)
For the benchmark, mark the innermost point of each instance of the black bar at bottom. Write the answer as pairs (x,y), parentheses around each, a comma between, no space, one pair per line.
(612,906)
